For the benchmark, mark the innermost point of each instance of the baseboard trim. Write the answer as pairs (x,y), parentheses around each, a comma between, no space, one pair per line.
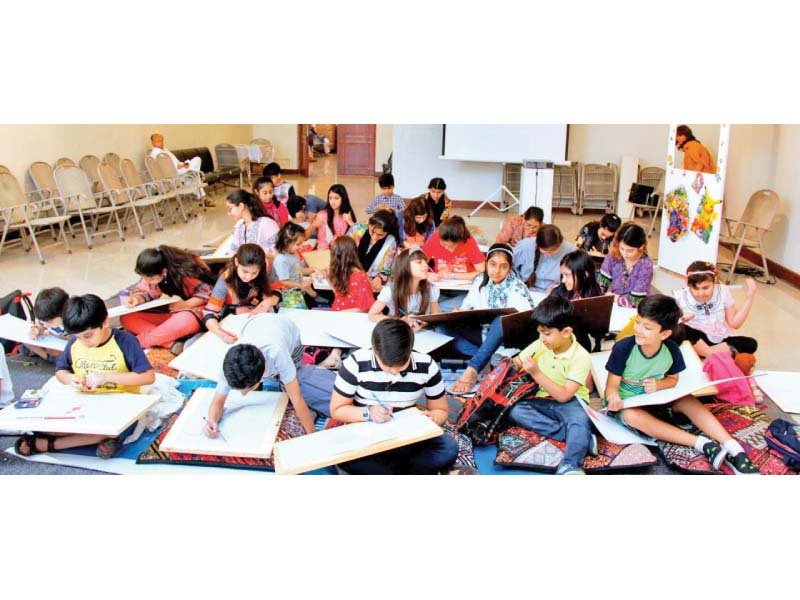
(290,171)
(776,269)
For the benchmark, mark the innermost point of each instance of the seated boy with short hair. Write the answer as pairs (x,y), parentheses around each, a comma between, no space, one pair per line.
(596,236)
(47,309)
(389,377)
(649,361)
(269,347)
(296,205)
(97,359)
(387,199)
(560,365)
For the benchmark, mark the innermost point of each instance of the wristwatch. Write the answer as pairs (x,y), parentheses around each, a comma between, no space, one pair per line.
(365,413)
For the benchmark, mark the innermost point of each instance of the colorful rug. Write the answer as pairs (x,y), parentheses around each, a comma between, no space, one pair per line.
(519,448)
(160,358)
(290,428)
(748,425)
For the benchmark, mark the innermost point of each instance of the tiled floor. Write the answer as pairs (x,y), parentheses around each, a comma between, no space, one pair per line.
(774,321)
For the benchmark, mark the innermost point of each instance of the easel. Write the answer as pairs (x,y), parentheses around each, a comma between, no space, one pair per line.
(498,207)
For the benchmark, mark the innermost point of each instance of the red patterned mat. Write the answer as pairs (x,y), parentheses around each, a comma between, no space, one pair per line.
(522,449)
(290,428)
(160,358)
(745,423)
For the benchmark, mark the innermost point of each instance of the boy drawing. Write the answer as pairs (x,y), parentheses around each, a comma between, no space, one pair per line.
(649,361)
(375,382)
(560,365)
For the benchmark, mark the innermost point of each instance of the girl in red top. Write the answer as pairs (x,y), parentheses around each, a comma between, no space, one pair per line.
(264,189)
(350,284)
(174,272)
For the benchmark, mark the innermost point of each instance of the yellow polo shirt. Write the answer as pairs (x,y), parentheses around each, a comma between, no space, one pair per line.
(572,365)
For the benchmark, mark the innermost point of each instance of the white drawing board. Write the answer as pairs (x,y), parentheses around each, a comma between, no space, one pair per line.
(782,387)
(77,412)
(118,311)
(16,329)
(620,316)
(614,431)
(249,425)
(692,380)
(204,358)
(222,253)
(355,440)
(453,285)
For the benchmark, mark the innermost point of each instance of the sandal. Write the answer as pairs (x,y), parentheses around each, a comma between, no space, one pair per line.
(464,385)
(30,440)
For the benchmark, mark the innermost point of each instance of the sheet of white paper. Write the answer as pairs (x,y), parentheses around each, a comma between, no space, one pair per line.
(16,329)
(96,414)
(204,358)
(118,311)
(537,297)
(360,336)
(613,430)
(249,425)
(783,388)
(620,316)
(332,446)
(454,285)
(313,325)
(223,251)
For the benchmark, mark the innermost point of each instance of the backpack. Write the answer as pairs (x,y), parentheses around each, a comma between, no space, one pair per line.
(18,305)
(784,438)
(483,415)
(722,366)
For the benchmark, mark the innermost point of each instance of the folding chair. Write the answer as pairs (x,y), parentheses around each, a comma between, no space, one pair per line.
(76,191)
(229,165)
(91,166)
(186,184)
(65,162)
(749,230)
(20,214)
(267,150)
(165,186)
(132,198)
(598,187)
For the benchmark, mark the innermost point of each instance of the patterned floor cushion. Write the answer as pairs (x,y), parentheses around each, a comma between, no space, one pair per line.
(160,358)
(522,449)
(290,428)
(745,423)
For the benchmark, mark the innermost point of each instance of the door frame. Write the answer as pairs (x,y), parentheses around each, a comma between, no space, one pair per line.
(374,146)
(303,163)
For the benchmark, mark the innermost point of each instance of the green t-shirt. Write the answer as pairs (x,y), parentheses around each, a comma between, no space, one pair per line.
(572,365)
(629,362)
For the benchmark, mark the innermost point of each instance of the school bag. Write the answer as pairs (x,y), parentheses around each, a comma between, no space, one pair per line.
(18,305)
(483,415)
(721,366)
(784,438)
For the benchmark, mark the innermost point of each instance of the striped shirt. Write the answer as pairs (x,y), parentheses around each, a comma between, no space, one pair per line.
(362,378)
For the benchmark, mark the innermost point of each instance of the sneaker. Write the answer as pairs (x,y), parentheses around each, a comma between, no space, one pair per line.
(108,448)
(593,450)
(569,469)
(715,454)
(741,464)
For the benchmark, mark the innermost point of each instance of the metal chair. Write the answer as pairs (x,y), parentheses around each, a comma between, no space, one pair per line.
(183,184)
(750,228)
(167,187)
(4,169)
(267,150)
(81,201)
(65,162)
(19,213)
(565,187)
(598,187)
(130,197)
(91,166)
(229,165)
(132,178)
(114,161)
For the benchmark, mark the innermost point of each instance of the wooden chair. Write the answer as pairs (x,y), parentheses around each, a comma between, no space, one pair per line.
(749,230)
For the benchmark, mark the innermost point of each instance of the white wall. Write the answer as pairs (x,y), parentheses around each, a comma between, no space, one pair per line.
(20,145)
(782,242)
(384,136)
(416,161)
(284,139)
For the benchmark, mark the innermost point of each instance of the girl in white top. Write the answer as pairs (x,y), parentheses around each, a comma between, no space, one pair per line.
(253,226)
(498,287)
(710,315)
(409,292)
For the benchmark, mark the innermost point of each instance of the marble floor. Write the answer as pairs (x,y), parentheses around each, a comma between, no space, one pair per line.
(774,320)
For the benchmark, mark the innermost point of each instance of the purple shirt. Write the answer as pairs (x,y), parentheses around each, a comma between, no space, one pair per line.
(633,286)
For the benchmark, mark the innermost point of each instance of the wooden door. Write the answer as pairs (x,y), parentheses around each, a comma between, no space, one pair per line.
(355,149)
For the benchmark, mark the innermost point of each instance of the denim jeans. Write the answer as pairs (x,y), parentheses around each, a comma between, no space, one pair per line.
(468,341)
(423,458)
(561,421)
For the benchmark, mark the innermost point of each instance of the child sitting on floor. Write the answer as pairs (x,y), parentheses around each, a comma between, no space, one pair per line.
(264,190)
(627,270)
(377,245)
(253,226)
(47,309)
(283,189)
(298,212)
(387,199)
(649,361)
(6,387)
(288,268)
(595,237)
(335,219)
(710,314)
(522,226)
(97,359)
(242,287)
(416,223)
(578,282)
(538,259)
(560,366)
(390,377)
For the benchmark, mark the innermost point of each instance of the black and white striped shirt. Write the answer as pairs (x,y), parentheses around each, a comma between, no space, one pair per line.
(362,378)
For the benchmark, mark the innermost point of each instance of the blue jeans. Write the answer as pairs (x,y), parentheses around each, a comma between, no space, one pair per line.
(428,457)
(468,341)
(561,421)
(448,300)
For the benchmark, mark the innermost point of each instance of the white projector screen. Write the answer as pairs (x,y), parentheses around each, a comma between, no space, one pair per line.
(504,143)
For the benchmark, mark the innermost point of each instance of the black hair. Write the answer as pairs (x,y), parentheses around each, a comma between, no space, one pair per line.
(498,248)
(50,303)
(547,237)
(584,280)
(554,312)
(454,229)
(295,204)
(248,255)
(386,180)
(698,272)
(290,232)
(393,341)
(437,183)
(633,235)
(662,309)
(178,264)
(261,182)
(611,222)
(685,131)
(534,212)
(84,312)
(272,169)
(243,366)
(386,220)
(344,208)
(251,203)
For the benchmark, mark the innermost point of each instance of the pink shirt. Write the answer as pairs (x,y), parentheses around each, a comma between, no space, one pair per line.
(340,227)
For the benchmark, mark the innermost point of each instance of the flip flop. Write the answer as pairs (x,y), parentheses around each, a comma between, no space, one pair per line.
(31,439)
